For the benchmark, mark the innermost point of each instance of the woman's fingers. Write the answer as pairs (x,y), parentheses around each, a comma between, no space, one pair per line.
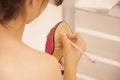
(78,40)
(65,41)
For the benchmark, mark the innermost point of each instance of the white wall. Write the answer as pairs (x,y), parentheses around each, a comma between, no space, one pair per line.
(35,33)
(102,35)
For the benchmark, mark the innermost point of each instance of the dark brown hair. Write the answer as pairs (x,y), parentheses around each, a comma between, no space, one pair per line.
(58,2)
(9,9)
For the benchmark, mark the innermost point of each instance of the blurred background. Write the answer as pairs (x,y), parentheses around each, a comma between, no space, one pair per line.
(98,21)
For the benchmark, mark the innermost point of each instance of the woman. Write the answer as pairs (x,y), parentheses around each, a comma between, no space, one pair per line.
(20,62)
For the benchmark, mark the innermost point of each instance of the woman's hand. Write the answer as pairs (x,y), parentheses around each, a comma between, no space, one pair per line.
(70,54)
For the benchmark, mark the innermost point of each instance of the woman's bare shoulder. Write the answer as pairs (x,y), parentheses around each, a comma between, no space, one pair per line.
(31,64)
(49,68)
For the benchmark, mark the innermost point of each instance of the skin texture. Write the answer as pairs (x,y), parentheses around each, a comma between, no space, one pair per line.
(20,62)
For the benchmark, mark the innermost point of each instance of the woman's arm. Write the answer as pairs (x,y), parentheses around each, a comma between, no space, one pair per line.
(71,55)
(70,72)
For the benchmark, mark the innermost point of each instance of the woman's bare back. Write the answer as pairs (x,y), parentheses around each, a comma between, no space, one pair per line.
(20,62)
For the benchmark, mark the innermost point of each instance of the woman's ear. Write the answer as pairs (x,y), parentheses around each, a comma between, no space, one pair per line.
(32,3)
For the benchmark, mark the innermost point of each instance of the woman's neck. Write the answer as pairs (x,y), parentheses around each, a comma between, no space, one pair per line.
(14,28)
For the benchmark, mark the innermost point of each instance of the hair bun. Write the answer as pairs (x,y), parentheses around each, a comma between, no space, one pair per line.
(58,2)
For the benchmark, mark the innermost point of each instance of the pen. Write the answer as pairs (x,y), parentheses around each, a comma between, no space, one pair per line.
(83,53)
